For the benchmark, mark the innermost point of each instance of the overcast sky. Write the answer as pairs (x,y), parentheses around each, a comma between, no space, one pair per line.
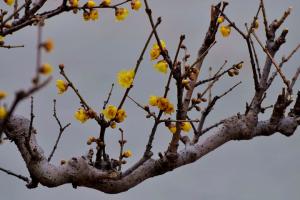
(93,52)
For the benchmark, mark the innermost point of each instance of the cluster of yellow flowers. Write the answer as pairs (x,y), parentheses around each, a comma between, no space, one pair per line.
(155,52)
(111,112)
(184,126)
(225,30)
(125,78)
(9,2)
(3,111)
(162,103)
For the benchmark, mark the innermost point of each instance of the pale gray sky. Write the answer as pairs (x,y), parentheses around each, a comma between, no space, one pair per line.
(93,52)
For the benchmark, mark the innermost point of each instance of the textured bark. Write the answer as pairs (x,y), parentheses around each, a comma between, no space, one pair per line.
(79,172)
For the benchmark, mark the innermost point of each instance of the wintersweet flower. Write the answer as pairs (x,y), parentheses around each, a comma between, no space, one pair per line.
(61,86)
(225,30)
(3,112)
(120,116)
(153,100)
(162,103)
(186,126)
(110,112)
(125,78)
(127,154)
(106,2)
(161,66)
(155,51)
(81,115)
(136,4)
(94,15)
(172,128)
(9,2)
(48,45)
(86,16)
(121,14)
(46,69)
(90,4)
(74,3)
(170,109)
(220,19)
(3,94)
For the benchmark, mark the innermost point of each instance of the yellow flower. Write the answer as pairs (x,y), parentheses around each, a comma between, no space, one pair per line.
(61,86)
(46,69)
(155,51)
(3,94)
(3,112)
(74,3)
(154,54)
(48,45)
(161,66)
(172,128)
(125,78)
(94,15)
(162,103)
(86,16)
(220,19)
(9,2)
(1,40)
(153,100)
(136,4)
(121,14)
(110,112)
(113,125)
(225,30)
(81,115)
(90,4)
(256,24)
(127,154)
(170,109)
(106,2)
(120,116)
(186,126)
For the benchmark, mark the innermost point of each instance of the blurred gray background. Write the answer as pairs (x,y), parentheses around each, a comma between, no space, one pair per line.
(93,52)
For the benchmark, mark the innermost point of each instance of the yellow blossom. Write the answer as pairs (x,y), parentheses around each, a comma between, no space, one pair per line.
(121,14)
(256,24)
(86,16)
(161,66)
(61,86)
(3,112)
(9,2)
(162,103)
(110,112)
(74,3)
(186,126)
(225,30)
(220,19)
(155,51)
(120,116)
(81,115)
(94,15)
(125,78)
(90,4)
(153,100)
(48,45)
(172,128)
(106,2)
(3,94)
(46,69)
(127,154)
(170,109)
(136,4)
(113,125)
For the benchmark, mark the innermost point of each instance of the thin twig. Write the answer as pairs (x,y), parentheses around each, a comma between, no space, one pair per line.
(23,178)
(109,95)
(61,130)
